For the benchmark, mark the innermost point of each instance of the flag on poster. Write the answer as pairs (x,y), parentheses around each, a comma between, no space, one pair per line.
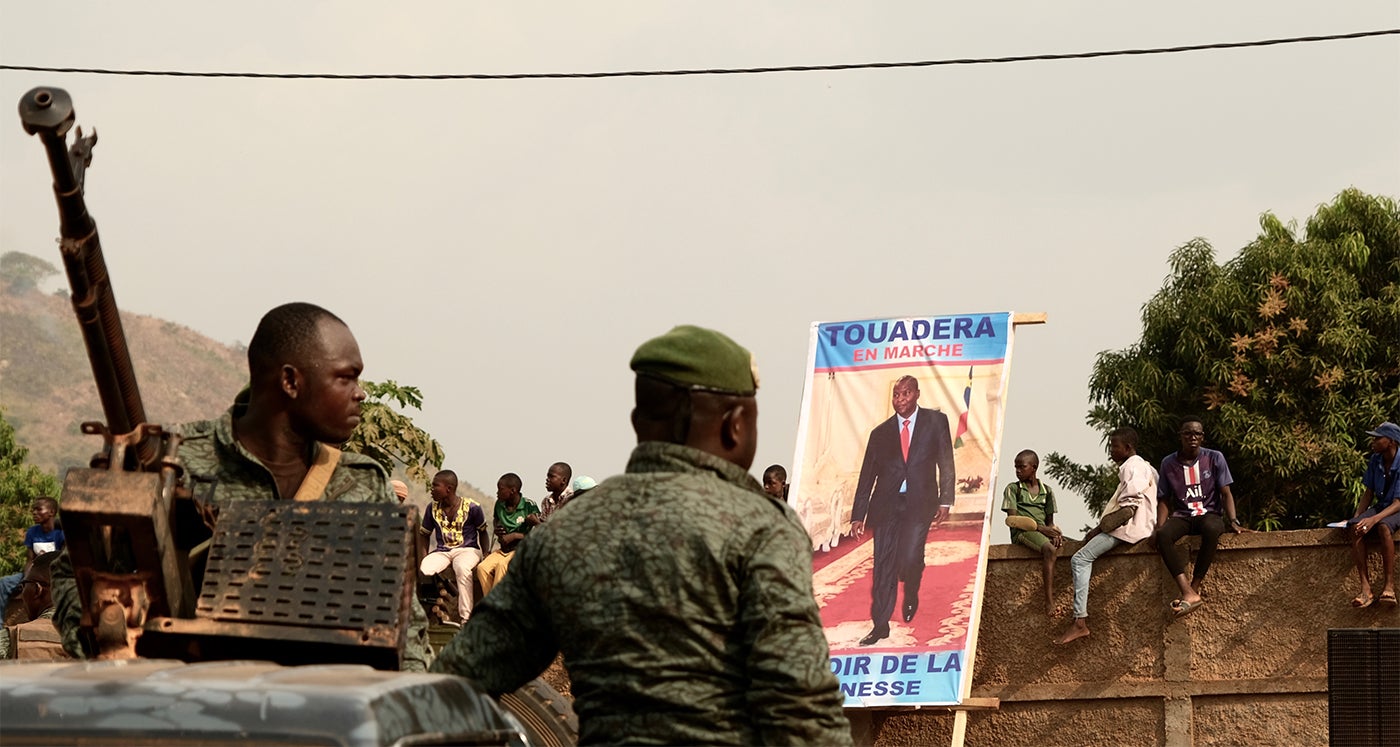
(967,408)
(893,479)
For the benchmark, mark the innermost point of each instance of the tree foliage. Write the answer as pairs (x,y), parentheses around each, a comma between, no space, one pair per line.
(22,272)
(1095,483)
(390,437)
(1288,352)
(20,484)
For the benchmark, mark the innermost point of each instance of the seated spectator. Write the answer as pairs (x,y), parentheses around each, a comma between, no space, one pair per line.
(43,537)
(451,523)
(1029,504)
(1128,519)
(400,490)
(1378,514)
(1193,497)
(515,516)
(556,483)
(775,482)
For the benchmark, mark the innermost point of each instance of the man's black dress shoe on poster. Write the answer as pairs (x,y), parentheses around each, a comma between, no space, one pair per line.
(874,637)
(909,609)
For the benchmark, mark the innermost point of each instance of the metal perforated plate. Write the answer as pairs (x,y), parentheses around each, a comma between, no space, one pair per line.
(1362,681)
(319,565)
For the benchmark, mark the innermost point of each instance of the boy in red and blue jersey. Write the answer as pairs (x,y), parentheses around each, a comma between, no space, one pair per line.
(1193,497)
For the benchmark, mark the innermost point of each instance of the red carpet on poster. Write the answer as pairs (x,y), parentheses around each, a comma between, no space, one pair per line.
(841,582)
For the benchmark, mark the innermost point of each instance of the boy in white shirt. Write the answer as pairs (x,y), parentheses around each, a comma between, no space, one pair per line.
(1129,518)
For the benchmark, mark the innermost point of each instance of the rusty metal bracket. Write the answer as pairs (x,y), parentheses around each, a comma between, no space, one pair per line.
(118,522)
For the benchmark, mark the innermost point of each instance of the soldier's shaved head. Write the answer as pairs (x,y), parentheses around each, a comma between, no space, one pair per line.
(286,334)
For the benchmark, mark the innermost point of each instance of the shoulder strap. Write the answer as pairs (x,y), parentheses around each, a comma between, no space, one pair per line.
(313,486)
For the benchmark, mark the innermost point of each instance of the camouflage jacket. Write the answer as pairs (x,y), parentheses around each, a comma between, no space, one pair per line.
(681,597)
(209,452)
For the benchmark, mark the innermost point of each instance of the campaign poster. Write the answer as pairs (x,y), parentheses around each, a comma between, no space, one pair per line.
(894,478)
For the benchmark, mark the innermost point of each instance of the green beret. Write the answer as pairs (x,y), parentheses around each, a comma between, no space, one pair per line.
(699,359)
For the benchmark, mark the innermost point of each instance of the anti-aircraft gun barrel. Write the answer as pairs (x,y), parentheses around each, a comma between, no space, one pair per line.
(48,113)
(124,585)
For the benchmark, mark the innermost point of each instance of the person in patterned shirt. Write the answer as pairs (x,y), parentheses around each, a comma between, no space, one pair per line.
(679,593)
(556,483)
(451,524)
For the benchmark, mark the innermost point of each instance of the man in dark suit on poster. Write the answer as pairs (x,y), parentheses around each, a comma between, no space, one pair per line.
(905,486)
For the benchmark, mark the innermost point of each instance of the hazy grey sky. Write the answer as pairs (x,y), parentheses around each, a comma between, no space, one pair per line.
(504,245)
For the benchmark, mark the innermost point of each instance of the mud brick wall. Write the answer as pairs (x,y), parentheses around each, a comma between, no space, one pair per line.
(1250,667)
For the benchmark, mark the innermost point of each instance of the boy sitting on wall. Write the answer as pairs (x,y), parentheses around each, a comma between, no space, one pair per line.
(1029,504)
(1129,518)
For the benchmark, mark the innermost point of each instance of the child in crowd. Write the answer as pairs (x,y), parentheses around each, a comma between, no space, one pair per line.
(1193,497)
(43,537)
(1029,504)
(1129,518)
(775,482)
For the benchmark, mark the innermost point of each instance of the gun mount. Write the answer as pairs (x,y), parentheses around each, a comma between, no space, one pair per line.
(290,582)
(294,583)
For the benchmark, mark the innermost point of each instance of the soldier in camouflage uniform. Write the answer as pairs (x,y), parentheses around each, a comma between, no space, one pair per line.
(679,593)
(304,366)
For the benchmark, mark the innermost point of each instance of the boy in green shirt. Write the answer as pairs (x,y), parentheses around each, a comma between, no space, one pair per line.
(515,516)
(1030,512)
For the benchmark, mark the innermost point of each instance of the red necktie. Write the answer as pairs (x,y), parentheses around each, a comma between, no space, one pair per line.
(904,439)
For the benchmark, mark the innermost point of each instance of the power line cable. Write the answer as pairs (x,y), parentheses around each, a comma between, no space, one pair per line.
(714,71)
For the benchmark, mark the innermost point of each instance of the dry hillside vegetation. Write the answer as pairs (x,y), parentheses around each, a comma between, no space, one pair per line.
(46,385)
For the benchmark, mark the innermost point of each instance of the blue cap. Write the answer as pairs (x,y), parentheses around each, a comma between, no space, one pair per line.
(1388,430)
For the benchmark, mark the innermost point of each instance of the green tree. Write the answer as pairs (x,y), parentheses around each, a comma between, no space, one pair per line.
(20,484)
(1288,352)
(390,437)
(1095,482)
(22,272)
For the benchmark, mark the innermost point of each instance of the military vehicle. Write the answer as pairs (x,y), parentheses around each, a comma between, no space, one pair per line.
(275,622)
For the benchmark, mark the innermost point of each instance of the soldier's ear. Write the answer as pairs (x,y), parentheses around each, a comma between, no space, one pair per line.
(290,380)
(729,429)
(733,429)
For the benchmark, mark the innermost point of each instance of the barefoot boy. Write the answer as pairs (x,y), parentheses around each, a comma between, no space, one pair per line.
(1030,512)
(1129,518)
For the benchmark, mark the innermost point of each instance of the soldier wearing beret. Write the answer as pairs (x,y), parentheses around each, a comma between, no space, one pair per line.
(679,593)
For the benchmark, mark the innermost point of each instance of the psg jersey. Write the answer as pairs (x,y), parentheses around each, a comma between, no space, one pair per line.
(1192,488)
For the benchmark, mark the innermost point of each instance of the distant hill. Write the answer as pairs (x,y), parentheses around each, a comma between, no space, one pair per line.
(46,386)
(47,391)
